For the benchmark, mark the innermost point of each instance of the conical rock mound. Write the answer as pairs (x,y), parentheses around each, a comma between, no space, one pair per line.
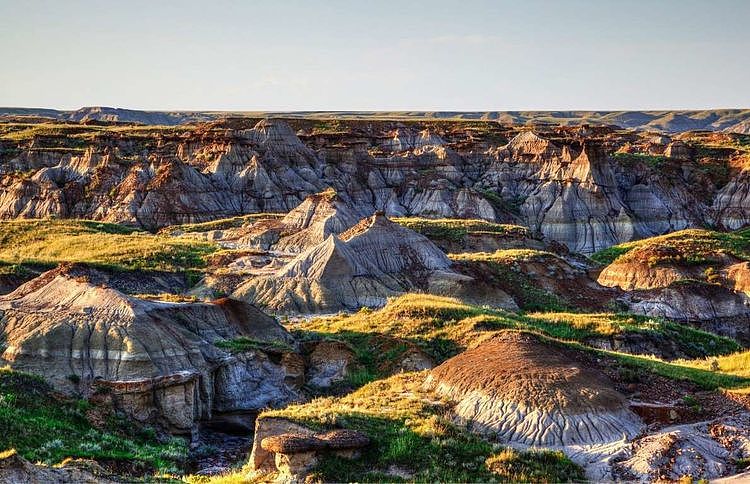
(368,263)
(529,146)
(531,393)
(528,393)
(317,217)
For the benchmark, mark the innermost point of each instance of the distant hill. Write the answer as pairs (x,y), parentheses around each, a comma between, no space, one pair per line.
(728,120)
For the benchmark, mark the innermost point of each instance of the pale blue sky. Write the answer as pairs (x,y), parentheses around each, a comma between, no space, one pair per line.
(375,55)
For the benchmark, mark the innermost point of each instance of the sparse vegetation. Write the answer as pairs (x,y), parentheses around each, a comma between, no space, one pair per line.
(443,326)
(220,224)
(455,230)
(503,267)
(688,247)
(630,159)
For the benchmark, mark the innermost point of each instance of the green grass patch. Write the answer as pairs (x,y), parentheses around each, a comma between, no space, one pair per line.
(630,159)
(409,431)
(111,246)
(686,247)
(44,427)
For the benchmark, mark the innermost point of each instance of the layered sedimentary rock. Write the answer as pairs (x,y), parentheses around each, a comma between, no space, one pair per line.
(565,184)
(529,393)
(370,262)
(732,202)
(316,218)
(582,199)
(158,360)
(711,307)
(166,181)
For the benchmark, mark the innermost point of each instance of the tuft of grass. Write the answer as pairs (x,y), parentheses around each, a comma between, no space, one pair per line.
(110,246)
(43,426)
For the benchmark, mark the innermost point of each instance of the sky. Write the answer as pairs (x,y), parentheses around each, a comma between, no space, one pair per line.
(456,55)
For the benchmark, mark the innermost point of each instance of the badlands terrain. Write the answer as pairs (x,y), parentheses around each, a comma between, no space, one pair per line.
(328,297)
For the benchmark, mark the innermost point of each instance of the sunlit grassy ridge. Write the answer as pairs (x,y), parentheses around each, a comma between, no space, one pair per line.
(691,246)
(409,431)
(49,242)
(80,132)
(456,229)
(443,326)
(504,256)
(42,427)
(221,224)
(735,364)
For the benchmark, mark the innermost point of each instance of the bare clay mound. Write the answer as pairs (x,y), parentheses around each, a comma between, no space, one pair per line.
(524,391)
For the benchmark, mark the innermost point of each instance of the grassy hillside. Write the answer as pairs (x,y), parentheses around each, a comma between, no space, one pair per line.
(221,224)
(49,242)
(410,432)
(455,230)
(442,327)
(43,426)
(690,247)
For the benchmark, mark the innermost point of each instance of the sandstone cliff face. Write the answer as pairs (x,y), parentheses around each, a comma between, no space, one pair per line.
(158,359)
(565,186)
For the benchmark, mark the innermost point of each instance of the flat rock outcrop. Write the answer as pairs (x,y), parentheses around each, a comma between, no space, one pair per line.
(365,265)
(158,360)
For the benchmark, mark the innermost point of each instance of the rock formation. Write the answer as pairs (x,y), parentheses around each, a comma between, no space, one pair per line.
(704,450)
(296,454)
(14,469)
(525,392)
(158,360)
(365,265)
(568,186)
(710,307)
